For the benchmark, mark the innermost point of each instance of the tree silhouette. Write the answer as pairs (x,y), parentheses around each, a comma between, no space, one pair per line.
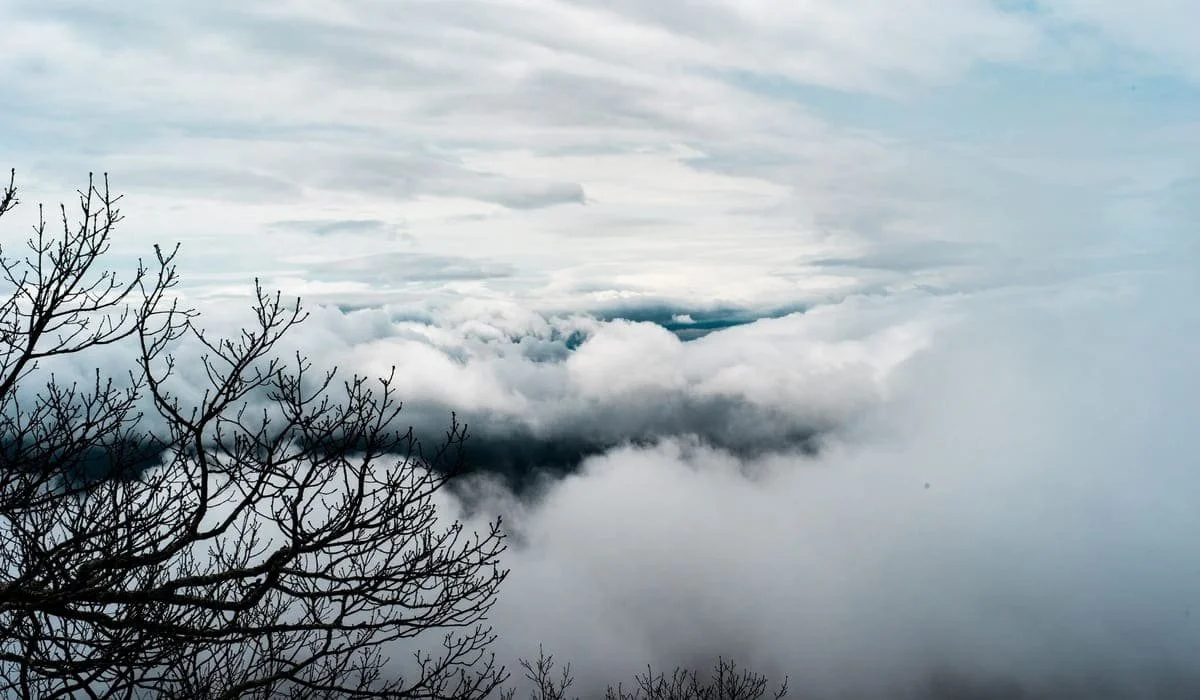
(279,536)
(727,682)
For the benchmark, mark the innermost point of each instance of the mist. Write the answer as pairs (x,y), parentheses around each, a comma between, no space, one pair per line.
(1015,520)
(853,340)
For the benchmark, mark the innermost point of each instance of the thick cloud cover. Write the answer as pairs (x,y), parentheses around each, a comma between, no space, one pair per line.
(891,495)
(543,390)
(1002,500)
(851,338)
(1016,518)
(1001,505)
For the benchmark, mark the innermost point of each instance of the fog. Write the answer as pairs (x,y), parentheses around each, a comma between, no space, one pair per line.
(1016,517)
(854,340)
(982,494)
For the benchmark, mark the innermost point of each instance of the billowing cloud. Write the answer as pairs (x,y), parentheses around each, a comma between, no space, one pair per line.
(850,338)
(1016,520)
(542,392)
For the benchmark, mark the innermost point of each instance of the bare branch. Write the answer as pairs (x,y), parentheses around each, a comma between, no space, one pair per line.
(271,540)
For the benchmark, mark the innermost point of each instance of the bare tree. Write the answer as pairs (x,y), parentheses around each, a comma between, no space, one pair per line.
(545,685)
(727,682)
(277,537)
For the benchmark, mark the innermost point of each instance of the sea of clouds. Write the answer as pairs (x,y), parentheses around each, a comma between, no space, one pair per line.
(853,340)
(981,495)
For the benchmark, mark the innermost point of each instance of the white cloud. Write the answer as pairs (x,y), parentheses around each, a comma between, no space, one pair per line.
(491,182)
(655,135)
(1021,515)
(1159,30)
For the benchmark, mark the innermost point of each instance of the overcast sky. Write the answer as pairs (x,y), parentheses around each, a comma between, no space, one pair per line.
(866,328)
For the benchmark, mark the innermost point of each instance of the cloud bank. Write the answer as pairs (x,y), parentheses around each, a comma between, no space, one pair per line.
(1016,520)
(853,339)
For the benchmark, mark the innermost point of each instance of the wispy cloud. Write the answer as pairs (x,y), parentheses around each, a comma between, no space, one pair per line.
(812,129)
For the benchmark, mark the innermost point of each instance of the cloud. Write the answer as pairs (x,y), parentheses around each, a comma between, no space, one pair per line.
(736,278)
(1155,30)
(1000,502)
(544,391)
(406,266)
(346,227)
(231,183)
(1016,519)
(544,196)
(705,139)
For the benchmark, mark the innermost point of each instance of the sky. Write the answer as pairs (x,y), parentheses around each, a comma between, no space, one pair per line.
(852,339)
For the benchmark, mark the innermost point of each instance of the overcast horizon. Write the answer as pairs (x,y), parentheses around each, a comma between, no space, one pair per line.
(854,340)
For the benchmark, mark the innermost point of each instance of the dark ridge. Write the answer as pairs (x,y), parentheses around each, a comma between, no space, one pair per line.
(522,461)
(703,321)
(81,467)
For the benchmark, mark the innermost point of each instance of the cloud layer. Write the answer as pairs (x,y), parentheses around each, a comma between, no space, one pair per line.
(853,339)
(1016,520)
(722,152)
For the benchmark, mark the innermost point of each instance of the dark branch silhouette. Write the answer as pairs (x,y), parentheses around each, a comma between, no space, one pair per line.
(727,682)
(219,551)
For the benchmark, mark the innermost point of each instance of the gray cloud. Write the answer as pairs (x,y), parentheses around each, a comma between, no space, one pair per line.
(533,197)
(346,227)
(730,475)
(475,121)
(1000,506)
(407,266)
(912,257)
(1016,521)
(229,182)
(405,176)
(543,392)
